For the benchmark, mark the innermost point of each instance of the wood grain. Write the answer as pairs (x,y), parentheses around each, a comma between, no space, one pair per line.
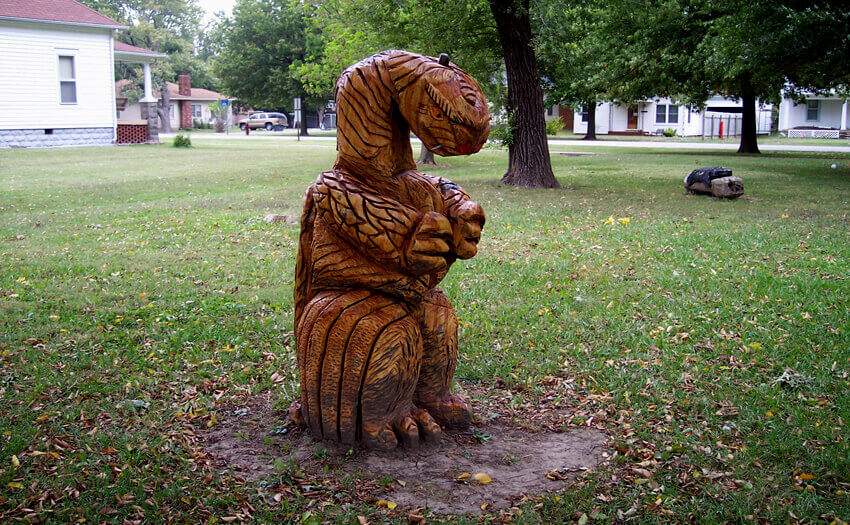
(376,338)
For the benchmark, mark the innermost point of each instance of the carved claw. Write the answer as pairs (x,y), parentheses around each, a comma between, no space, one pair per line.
(430,248)
(408,431)
(451,411)
(467,219)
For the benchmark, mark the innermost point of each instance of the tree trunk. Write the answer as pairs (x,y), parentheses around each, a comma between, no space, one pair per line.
(164,109)
(529,164)
(749,130)
(320,114)
(426,157)
(302,126)
(591,121)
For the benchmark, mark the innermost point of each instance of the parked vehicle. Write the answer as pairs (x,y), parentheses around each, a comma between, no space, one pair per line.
(269,121)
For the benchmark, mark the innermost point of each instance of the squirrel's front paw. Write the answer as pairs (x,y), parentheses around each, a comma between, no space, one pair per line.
(430,247)
(467,220)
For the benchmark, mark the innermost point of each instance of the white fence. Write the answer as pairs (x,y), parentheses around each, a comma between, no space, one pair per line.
(732,123)
(814,134)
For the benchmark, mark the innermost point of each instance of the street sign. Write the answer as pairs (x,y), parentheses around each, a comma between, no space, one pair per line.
(224,102)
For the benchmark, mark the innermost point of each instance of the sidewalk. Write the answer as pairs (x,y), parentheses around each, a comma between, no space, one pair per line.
(556,143)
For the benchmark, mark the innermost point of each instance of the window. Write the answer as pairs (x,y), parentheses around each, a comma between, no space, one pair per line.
(584,113)
(660,114)
(672,114)
(666,114)
(196,111)
(813,110)
(67,80)
(551,111)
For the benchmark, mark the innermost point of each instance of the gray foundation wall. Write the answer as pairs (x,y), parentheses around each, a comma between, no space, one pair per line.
(38,138)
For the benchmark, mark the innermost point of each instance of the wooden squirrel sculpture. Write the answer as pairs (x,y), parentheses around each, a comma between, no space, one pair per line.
(376,338)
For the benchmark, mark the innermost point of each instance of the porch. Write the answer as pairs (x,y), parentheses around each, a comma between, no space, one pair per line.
(145,129)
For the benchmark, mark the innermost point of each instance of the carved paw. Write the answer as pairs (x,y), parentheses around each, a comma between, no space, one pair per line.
(450,410)
(409,431)
(467,221)
(430,246)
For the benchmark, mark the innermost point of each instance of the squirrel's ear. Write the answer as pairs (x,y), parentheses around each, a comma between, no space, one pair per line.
(444,59)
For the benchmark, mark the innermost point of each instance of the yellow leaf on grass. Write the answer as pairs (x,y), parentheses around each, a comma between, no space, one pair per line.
(610,220)
(387,504)
(624,220)
(481,478)
(15,461)
(14,485)
(213,421)
(807,476)
(463,476)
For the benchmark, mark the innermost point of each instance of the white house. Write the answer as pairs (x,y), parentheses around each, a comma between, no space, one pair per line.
(57,73)
(189,105)
(825,116)
(654,116)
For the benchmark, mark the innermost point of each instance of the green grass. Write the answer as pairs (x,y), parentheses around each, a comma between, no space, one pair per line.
(147,273)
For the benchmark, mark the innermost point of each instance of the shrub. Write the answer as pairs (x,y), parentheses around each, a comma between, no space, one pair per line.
(554,126)
(182,141)
(669,132)
(200,124)
(502,131)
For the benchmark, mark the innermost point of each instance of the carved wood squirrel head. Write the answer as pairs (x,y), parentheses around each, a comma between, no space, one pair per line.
(384,97)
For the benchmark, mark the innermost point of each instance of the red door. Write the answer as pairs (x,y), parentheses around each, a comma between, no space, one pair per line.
(633,117)
(566,114)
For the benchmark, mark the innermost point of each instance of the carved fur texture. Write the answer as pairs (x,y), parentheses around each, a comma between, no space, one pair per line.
(376,339)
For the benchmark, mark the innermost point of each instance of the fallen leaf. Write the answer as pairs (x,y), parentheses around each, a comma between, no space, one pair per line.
(386,504)
(15,461)
(481,478)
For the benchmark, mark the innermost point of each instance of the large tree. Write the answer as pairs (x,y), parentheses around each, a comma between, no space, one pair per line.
(490,40)
(745,49)
(529,164)
(569,55)
(261,45)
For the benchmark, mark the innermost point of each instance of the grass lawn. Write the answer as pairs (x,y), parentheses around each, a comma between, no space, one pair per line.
(141,292)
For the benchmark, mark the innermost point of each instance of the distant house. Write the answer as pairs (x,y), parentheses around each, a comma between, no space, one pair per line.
(189,105)
(824,116)
(653,116)
(56,74)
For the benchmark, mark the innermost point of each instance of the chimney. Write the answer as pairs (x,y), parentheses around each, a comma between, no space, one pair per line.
(184,85)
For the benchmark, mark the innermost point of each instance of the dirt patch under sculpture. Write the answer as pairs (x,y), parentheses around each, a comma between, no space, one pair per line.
(441,477)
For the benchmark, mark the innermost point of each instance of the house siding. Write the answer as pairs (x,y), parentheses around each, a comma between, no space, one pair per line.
(29,84)
(612,118)
(793,115)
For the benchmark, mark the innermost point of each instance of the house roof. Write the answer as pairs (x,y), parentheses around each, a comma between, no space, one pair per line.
(197,93)
(126,49)
(69,12)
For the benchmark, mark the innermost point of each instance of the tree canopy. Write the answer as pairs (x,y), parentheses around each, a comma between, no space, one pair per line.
(746,49)
(166,26)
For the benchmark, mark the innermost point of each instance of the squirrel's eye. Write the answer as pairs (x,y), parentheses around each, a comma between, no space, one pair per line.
(437,113)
